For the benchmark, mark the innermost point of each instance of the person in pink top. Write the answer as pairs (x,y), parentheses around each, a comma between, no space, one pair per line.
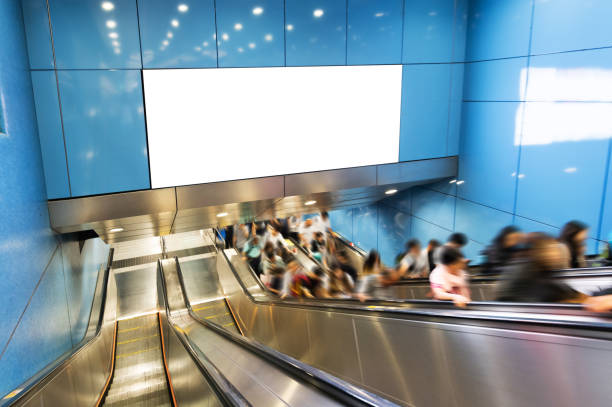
(449,280)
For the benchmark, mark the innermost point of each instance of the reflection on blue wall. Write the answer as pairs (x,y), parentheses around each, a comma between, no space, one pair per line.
(92,44)
(316,32)
(105,131)
(177,35)
(250,33)
(374,32)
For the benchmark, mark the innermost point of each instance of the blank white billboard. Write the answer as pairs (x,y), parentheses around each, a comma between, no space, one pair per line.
(207,125)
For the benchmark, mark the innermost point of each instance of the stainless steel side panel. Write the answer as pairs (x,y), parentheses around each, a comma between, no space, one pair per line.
(82,379)
(427,363)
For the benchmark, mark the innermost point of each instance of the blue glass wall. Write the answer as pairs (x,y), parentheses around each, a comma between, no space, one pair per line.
(87,57)
(536,135)
(46,284)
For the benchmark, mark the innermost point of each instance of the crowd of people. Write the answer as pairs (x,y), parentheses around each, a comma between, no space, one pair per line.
(524,262)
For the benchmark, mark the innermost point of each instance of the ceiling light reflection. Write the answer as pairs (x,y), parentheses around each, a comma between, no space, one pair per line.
(252,45)
(222,214)
(460,182)
(113,35)
(225,36)
(175,23)
(258,11)
(237,26)
(289,27)
(390,191)
(111,24)
(183,8)
(169,34)
(318,13)
(452,181)
(115,230)
(269,37)
(309,203)
(107,6)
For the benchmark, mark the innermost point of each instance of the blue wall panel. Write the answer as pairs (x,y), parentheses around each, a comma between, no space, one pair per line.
(460,30)
(250,33)
(498,29)
(561,181)
(177,34)
(480,223)
(105,131)
(402,201)
(38,34)
(393,231)
(572,76)
(489,153)
(316,32)
(88,36)
(428,31)
(455,109)
(424,119)
(365,227)
(497,80)
(342,221)
(562,25)
(425,231)
(606,216)
(44,331)
(26,242)
(374,32)
(434,207)
(50,133)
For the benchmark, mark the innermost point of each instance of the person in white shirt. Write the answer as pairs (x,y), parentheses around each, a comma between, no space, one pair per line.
(241,236)
(306,232)
(294,227)
(413,264)
(322,223)
(275,237)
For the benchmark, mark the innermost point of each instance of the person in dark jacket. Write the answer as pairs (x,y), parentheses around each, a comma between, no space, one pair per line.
(504,248)
(574,235)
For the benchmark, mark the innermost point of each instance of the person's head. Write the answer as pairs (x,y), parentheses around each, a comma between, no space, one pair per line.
(545,252)
(273,229)
(433,244)
(413,247)
(342,257)
(316,273)
(324,215)
(457,240)
(574,233)
(372,262)
(308,222)
(452,259)
(336,270)
(269,250)
(255,240)
(319,237)
(508,237)
(292,265)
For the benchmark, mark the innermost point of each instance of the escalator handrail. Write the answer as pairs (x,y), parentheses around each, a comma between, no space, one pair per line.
(345,392)
(442,309)
(223,388)
(44,376)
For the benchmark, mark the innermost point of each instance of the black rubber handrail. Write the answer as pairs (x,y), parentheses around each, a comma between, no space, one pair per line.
(338,389)
(223,388)
(444,309)
(42,377)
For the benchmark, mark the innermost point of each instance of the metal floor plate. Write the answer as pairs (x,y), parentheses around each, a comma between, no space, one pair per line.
(139,378)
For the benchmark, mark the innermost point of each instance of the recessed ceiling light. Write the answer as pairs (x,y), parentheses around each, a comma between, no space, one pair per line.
(221,215)
(390,191)
(115,230)
(107,6)
(452,181)
(460,182)
(183,8)
(308,203)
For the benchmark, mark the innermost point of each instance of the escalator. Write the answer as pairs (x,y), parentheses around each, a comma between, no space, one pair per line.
(180,355)
(428,353)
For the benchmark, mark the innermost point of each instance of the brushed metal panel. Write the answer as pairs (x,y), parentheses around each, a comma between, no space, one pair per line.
(219,193)
(332,180)
(292,333)
(421,171)
(66,214)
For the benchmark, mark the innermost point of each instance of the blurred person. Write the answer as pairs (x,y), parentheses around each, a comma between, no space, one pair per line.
(293,270)
(274,236)
(599,304)
(318,247)
(309,284)
(413,264)
(429,251)
(259,228)
(229,237)
(271,265)
(574,235)
(372,278)
(449,279)
(323,224)
(533,279)
(252,254)
(306,232)
(240,236)
(294,223)
(341,285)
(504,248)
(456,241)
(345,264)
